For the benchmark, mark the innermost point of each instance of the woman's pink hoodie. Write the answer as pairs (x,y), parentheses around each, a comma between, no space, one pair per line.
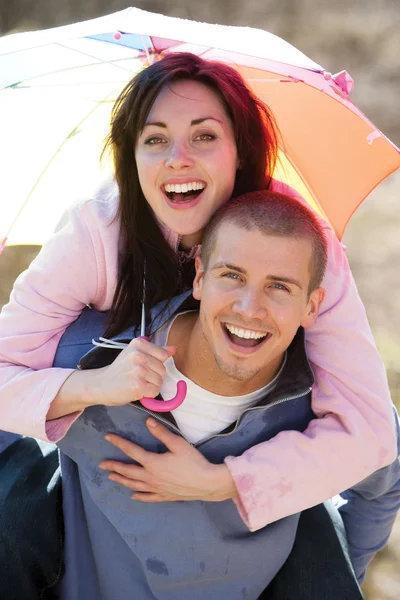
(353,436)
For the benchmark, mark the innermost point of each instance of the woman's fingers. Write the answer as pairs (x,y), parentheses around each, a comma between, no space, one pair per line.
(127,470)
(148,362)
(160,353)
(137,372)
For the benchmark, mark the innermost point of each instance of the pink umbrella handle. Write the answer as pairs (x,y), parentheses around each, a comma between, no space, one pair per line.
(167,405)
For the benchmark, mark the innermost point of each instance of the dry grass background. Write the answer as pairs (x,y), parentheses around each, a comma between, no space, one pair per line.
(361,36)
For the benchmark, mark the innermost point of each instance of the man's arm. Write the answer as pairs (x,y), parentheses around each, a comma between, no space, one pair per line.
(369,510)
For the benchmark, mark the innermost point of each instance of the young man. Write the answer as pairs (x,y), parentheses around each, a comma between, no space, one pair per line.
(242,355)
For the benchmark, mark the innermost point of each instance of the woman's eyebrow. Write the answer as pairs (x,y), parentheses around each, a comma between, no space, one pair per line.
(155,124)
(199,121)
(194,122)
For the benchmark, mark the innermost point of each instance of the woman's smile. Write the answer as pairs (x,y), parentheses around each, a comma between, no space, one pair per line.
(183,193)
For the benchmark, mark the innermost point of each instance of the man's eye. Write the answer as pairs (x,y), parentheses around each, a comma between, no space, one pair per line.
(231,276)
(280,286)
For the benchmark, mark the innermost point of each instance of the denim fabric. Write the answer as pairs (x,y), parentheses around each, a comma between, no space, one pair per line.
(319,565)
(31,526)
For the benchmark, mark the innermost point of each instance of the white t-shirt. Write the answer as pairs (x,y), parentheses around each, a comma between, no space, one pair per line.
(203,414)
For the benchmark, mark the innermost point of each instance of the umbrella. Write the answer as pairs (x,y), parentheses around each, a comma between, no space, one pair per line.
(57,88)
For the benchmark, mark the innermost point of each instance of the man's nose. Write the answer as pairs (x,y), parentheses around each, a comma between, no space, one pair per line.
(179,156)
(250,304)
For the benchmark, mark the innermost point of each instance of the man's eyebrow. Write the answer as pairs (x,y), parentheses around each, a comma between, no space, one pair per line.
(225,265)
(277,278)
(194,122)
(282,279)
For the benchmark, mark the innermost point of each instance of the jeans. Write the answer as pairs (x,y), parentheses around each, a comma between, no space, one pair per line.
(31,537)
(319,566)
(31,525)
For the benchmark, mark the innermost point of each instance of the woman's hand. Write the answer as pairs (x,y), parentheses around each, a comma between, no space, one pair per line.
(137,371)
(182,473)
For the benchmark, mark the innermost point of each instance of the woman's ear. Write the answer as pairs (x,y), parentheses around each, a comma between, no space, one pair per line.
(198,279)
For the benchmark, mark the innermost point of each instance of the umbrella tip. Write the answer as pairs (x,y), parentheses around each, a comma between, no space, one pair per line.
(344,81)
(3,243)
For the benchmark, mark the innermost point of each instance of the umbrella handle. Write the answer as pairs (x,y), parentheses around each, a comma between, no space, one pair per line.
(166,405)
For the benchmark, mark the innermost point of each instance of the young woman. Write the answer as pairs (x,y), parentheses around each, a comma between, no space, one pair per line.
(186,135)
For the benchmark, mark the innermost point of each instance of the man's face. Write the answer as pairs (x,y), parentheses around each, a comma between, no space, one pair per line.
(254,296)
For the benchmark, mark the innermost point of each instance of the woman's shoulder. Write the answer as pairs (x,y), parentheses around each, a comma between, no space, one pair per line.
(88,234)
(101,203)
(94,215)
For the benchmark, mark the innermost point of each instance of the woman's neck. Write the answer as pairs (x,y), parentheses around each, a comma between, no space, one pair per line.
(188,241)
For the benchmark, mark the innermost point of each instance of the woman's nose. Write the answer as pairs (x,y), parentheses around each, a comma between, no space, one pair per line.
(250,304)
(179,157)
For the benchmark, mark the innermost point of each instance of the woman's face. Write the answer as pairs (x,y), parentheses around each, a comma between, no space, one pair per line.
(187,158)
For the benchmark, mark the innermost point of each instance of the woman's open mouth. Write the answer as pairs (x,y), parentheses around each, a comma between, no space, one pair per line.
(246,340)
(181,193)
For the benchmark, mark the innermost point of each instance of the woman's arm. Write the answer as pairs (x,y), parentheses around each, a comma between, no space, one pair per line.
(369,510)
(354,434)
(70,271)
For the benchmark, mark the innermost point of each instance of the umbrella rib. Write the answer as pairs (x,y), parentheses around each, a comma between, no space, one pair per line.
(99,62)
(49,163)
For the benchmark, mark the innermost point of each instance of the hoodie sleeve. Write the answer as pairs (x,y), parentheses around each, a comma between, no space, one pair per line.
(354,434)
(64,277)
(369,510)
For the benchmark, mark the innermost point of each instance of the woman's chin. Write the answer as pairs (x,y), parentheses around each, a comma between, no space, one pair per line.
(191,232)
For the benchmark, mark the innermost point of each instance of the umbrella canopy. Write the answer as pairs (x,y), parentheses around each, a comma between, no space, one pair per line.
(57,88)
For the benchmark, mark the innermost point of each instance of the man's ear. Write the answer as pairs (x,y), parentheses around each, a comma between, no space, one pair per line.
(312,310)
(198,279)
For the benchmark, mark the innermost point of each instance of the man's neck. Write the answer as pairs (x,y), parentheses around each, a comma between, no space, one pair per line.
(194,359)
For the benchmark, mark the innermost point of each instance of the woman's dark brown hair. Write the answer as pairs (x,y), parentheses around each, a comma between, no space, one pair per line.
(142,240)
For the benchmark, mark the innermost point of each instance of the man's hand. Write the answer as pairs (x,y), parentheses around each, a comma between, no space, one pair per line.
(182,473)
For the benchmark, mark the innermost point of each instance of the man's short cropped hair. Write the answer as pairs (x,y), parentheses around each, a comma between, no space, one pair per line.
(275,214)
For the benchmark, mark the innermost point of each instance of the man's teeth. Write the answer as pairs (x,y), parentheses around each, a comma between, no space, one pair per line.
(182,188)
(247,334)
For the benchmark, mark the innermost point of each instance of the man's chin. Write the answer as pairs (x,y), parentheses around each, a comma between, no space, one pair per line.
(235,372)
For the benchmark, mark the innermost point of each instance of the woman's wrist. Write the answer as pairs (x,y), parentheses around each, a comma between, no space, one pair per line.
(223,484)
(77,393)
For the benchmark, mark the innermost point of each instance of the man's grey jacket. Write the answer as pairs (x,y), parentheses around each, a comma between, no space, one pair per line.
(118,548)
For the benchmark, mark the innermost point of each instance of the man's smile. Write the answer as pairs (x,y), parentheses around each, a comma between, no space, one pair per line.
(244,340)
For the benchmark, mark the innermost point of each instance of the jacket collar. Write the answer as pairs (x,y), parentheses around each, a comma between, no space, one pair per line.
(296,376)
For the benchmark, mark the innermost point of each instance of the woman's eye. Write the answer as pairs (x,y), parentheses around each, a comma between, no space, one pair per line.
(152,141)
(206,137)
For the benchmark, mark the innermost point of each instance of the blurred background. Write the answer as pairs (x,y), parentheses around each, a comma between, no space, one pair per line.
(361,36)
